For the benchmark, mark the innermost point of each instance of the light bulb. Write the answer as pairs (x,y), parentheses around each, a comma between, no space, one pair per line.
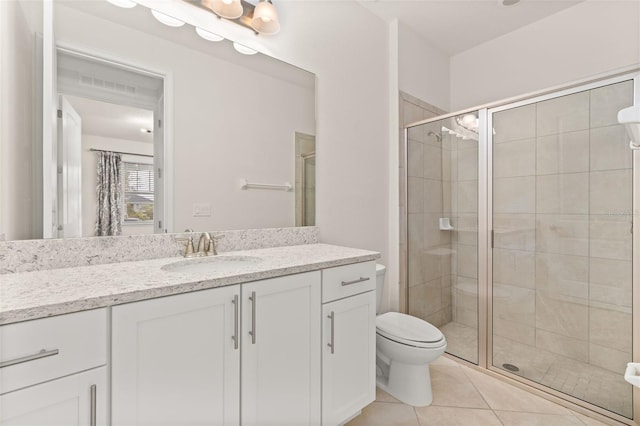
(244,49)
(207,35)
(166,19)
(230,9)
(265,18)
(127,4)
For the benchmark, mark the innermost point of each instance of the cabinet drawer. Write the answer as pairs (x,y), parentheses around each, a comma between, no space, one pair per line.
(344,281)
(35,351)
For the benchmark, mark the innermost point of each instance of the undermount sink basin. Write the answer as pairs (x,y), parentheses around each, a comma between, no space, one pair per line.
(212,264)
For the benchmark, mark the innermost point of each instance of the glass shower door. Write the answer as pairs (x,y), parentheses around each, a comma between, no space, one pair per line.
(562,244)
(442,220)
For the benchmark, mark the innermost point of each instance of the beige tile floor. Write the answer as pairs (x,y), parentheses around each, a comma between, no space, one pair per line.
(465,397)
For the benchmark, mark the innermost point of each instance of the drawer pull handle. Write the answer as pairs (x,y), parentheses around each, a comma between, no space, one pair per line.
(235,321)
(252,332)
(94,401)
(362,279)
(42,354)
(332,317)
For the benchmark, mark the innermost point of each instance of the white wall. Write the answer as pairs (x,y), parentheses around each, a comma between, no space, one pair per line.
(423,70)
(587,39)
(18,205)
(90,178)
(229,122)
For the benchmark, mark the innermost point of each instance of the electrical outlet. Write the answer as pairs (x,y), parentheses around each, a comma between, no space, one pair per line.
(201,210)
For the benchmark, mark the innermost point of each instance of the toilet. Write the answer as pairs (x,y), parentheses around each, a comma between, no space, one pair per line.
(405,346)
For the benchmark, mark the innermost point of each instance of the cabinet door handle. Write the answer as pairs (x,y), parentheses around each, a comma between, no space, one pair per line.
(252,332)
(331,343)
(42,354)
(361,279)
(92,420)
(235,321)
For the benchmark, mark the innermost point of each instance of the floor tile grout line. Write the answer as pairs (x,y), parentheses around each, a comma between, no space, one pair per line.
(476,388)
(497,417)
(415,413)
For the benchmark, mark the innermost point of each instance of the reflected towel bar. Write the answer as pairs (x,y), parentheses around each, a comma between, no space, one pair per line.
(248,185)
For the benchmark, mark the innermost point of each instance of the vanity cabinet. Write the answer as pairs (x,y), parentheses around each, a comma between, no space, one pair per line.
(176,360)
(79,399)
(280,351)
(53,371)
(349,341)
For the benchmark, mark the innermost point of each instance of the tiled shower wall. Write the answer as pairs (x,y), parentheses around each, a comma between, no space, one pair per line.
(562,222)
(429,272)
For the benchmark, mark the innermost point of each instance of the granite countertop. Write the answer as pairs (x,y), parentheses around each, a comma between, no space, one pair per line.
(31,295)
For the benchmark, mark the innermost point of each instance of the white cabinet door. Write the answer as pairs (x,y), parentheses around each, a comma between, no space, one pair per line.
(348,357)
(175,362)
(280,351)
(61,402)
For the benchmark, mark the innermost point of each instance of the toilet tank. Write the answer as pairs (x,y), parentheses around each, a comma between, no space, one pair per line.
(380,273)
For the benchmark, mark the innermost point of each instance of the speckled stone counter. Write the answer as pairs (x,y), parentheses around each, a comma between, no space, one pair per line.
(38,294)
(37,255)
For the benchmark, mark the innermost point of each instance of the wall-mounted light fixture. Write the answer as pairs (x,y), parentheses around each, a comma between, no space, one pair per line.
(261,18)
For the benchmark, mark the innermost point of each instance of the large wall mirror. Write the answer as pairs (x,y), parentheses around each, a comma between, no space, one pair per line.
(179,131)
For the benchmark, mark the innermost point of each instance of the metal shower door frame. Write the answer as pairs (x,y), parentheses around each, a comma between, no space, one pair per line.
(489,250)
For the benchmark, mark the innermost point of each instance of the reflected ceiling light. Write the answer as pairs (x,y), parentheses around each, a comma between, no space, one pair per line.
(244,49)
(265,18)
(127,4)
(261,18)
(230,9)
(207,35)
(509,2)
(468,121)
(166,19)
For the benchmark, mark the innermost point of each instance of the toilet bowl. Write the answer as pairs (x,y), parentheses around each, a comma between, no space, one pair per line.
(405,346)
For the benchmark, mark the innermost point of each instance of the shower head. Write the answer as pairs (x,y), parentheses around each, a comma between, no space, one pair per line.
(437,135)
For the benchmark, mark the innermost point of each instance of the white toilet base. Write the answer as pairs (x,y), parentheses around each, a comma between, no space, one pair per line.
(410,384)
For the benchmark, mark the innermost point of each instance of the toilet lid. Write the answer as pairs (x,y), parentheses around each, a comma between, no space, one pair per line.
(407,328)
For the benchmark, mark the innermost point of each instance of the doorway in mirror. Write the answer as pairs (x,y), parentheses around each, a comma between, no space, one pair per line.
(305,160)
(107,107)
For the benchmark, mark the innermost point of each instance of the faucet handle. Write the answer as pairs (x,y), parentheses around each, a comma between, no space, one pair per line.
(189,249)
(211,249)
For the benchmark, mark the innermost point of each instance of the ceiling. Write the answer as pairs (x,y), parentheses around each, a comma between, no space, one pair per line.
(113,121)
(454,26)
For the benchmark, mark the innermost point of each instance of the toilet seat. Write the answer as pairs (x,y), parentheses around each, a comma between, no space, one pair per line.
(409,330)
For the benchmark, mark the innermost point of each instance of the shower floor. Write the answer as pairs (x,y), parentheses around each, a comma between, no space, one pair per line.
(595,385)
